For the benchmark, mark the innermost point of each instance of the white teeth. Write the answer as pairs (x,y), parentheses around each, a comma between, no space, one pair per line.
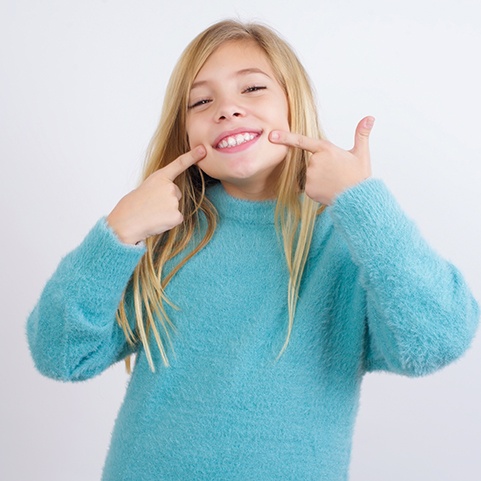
(234,140)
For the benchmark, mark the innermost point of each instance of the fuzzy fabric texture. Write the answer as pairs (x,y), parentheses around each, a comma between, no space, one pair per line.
(374,296)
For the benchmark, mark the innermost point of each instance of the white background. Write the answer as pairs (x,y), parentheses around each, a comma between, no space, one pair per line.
(81,89)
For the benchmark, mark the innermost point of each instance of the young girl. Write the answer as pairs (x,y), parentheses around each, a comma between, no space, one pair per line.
(253,312)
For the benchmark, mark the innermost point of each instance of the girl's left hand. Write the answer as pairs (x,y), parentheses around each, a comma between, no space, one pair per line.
(331,170)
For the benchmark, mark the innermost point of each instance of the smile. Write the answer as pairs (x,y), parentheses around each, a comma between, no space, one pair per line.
(235,140)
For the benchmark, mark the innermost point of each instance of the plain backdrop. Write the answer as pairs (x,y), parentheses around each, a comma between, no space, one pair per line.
(81,89)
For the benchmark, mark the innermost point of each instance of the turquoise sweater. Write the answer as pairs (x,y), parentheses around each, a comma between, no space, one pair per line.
(374,297)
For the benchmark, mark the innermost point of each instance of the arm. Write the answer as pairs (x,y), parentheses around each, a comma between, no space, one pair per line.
(72,332)
(420,313)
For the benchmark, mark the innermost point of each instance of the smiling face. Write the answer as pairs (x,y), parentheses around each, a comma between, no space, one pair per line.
(234,103)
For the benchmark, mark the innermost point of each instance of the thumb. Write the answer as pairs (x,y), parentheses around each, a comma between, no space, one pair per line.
(361,138)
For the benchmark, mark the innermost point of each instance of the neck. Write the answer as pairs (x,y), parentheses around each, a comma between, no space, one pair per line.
(250,193)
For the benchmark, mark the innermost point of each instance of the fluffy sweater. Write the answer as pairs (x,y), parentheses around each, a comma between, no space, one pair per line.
(374,296)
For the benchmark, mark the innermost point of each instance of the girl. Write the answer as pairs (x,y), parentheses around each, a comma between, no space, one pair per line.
(253,313)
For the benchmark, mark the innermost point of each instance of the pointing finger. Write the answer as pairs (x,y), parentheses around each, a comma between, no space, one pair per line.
(296,140)
(183,162)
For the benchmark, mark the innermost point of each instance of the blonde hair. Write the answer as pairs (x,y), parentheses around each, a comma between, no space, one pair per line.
(294,215)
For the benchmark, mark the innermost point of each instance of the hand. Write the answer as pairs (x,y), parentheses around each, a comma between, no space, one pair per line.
(153,207)
(332,170)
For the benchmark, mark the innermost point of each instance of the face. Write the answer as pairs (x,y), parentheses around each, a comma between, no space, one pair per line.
(234,104)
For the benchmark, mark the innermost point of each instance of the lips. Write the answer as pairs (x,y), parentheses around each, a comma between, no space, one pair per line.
(236,137)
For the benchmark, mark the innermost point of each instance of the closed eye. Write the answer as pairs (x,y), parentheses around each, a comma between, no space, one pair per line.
(254,88)
(199,103)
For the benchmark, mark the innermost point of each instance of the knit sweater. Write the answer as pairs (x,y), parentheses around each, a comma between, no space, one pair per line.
(374,296)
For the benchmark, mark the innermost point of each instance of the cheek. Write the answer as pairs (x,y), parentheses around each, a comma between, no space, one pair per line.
(208,166)
(208,161)
(190,139)
(192,134)
(285,117)
(280,115)
(280,151)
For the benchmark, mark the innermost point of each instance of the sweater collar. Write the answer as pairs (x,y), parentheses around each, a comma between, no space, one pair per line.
(241,210)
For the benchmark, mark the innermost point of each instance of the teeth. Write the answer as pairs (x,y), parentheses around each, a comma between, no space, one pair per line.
(235,140)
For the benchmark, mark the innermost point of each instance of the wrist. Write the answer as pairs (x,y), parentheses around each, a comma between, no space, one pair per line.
(122,230)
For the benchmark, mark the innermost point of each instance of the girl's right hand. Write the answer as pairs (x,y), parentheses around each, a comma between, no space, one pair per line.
(153,207)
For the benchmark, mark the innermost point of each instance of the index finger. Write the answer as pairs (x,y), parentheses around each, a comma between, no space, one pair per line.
(183,162)
(296,140)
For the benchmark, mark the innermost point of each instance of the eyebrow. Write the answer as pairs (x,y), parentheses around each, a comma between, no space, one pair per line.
(239,73)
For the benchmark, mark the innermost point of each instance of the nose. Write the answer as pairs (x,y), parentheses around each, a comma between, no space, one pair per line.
(227,109)
(226,115)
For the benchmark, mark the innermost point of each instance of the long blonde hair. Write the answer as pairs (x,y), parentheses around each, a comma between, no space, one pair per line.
(294,215)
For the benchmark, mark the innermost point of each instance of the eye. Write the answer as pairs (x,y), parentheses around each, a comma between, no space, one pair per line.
(199,103)
(254,88)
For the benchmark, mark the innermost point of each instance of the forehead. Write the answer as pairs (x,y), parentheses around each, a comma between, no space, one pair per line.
(234,58)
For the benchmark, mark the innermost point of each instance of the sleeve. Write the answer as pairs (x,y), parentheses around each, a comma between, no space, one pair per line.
(72,332)
(420,314)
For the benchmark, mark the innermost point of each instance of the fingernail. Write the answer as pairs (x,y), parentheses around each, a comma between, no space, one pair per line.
(275,136)
(370,122)
(201,150)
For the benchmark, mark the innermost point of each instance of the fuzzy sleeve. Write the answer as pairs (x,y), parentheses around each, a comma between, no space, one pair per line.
(72,331)
(420,313)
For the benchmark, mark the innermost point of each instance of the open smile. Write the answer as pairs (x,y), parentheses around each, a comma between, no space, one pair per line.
(231,141)
(235,140)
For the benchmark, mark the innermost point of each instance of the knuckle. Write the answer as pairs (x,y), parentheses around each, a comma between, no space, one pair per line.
(178,218)
(157,175)
(315,160)
(310,190)
(177,192)
(330,151)
(171,189)
(182,160)
(173,219)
